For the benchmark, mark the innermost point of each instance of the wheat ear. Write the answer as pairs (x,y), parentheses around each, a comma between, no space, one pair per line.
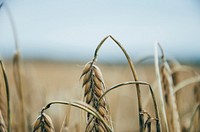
(5,97)
(160,94)
(94,88)
(43,124)
(170,99)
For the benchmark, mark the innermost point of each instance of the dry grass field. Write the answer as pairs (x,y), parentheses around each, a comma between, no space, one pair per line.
(44,82)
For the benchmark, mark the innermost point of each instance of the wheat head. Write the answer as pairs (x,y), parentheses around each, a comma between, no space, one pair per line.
(43,124)
(170,100)
(94,88)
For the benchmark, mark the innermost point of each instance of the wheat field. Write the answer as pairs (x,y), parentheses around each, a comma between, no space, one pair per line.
(49,81)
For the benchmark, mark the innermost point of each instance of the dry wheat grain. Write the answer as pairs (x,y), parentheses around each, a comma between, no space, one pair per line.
(94,88)
(43,124)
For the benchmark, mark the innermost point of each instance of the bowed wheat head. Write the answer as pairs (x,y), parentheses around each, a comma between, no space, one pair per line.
(94,88)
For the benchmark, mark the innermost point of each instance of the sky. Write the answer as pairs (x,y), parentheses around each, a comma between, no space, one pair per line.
(71,29)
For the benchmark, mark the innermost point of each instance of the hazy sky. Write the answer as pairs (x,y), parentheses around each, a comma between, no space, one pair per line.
(67,29)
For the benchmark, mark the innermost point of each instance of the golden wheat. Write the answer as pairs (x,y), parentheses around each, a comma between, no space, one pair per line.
(43,124)
(170,100)
(94,88)
(3,99)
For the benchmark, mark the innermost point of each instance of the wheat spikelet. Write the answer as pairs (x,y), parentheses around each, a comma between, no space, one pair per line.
(93,89)
(2,124)
(43,124)
(170,100)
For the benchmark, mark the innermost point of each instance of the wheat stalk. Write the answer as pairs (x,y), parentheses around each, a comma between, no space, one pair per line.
(83,106)
(152,95)
(186,82)
(16,67)
(148,121)
(133,71)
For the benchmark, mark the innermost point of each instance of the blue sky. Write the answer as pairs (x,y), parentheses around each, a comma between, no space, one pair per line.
(65,30)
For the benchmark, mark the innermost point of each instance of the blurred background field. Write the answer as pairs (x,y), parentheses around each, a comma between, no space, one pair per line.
(49,81)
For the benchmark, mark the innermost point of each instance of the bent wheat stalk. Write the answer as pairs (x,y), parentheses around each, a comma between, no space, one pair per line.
(83,106)
(138,83)
(133,71)
(16,69)
(186,82)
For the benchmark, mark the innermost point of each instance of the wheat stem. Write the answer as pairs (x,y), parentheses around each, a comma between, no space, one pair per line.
(186,82)
(135,78)
(138,83)
(82,106)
